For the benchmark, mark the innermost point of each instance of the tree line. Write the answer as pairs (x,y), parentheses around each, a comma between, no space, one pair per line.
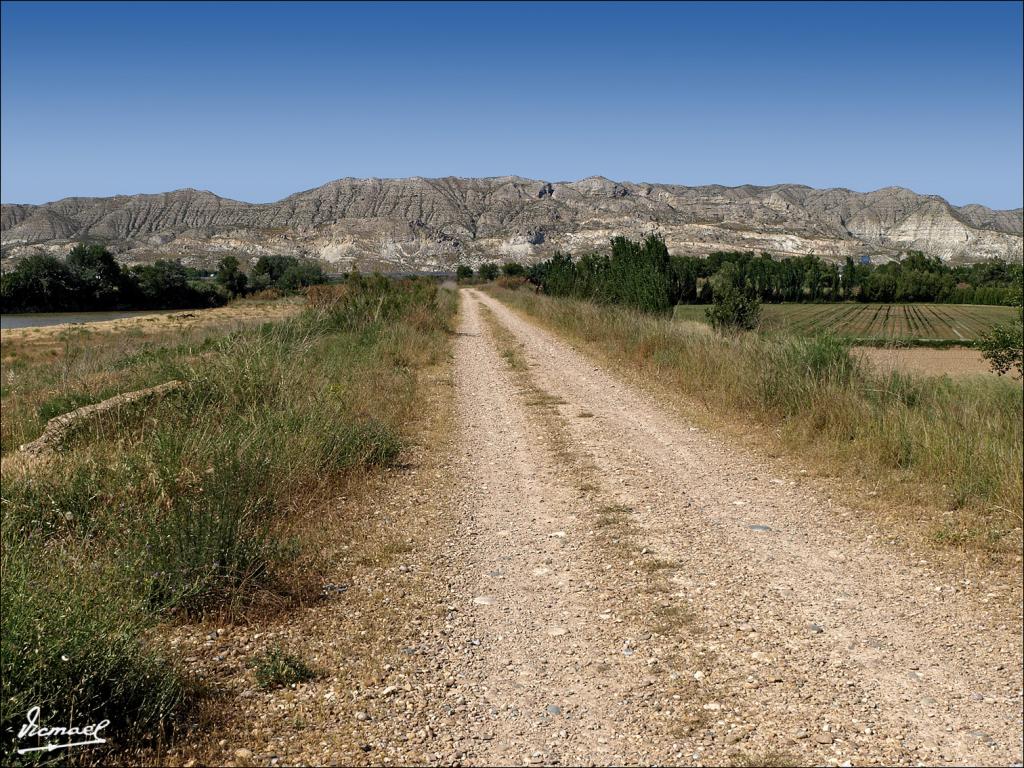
(643,275)
(91,279)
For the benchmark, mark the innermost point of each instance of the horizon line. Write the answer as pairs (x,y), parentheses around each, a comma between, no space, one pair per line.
(512,176)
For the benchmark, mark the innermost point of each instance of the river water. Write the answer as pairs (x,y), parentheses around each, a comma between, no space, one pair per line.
(39,319)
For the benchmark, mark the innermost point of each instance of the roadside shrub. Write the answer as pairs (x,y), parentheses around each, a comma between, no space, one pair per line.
(735,306)
(734,310)
(1003,345)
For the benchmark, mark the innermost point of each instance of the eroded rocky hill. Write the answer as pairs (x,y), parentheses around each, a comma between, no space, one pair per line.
(432,224)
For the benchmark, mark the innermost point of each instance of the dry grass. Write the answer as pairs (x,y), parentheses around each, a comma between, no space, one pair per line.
(612,516)
(26,345)
(765,760)
(47,371)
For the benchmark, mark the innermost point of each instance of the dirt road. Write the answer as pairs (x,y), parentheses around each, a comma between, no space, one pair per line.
(634,591)
(581,577)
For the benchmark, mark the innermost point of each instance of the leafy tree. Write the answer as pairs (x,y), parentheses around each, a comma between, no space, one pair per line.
(300,275)
(285,272)
(636,274)
(464,272)
(91,279)
(639,274)
(274,267)
(230,277)
(39,283)
(488,271)
(513,269)
(101,281)
(164,284)
(685,274)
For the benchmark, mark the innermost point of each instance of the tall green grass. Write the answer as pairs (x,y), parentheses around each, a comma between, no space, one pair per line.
(957,442)
(186,507)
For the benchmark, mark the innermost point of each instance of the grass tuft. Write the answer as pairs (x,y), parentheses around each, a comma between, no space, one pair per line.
(276,668)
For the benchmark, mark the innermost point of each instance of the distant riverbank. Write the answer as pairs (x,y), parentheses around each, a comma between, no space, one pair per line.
(41,319)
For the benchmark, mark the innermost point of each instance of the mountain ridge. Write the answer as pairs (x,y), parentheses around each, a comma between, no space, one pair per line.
(434,223)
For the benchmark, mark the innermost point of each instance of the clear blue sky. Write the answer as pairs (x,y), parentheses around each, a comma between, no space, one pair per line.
(256,101)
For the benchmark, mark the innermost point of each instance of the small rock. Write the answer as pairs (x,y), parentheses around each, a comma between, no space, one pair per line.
(823,737)
(815,629)
(554,709)
(243,754)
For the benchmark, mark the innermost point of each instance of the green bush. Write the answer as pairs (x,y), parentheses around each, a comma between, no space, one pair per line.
(1003,346)
(735,306)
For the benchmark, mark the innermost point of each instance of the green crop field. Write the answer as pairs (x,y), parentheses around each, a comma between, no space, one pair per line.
(876,322)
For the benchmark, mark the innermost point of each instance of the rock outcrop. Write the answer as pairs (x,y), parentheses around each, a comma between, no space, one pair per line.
(432,224)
